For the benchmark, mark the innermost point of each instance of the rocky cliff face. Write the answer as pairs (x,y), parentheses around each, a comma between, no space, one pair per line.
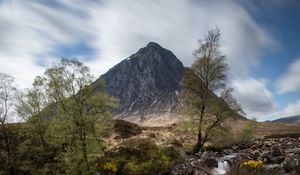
(147,82)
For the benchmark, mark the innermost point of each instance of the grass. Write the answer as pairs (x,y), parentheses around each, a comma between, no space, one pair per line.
(138,156)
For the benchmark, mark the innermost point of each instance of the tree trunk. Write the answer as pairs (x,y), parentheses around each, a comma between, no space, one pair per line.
(84,151)
(199,145)
(8,151)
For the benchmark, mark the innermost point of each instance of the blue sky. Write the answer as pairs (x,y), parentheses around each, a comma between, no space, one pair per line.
(281,19)
(259,38)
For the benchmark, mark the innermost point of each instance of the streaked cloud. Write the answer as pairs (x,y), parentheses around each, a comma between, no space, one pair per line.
(29,33)
(292,109)
(33,34)
(256,99)
(32,30)
(290,80)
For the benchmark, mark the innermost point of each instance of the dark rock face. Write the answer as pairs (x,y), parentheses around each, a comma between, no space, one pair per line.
(147,82)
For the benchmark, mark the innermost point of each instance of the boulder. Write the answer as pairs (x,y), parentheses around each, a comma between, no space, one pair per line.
(194,165)
(291,162)
(276,151)
(211,162)
(266,158)
(278,159)
(296,151)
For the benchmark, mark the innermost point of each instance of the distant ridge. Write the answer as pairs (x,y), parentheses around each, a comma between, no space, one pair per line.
(292,119)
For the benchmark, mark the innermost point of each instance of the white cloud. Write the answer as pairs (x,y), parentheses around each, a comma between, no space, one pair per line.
(256,99)
(290,81)
(292,109)
(31,31)
(126,26)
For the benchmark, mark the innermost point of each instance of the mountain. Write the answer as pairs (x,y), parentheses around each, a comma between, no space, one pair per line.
(147,82)
(292,119)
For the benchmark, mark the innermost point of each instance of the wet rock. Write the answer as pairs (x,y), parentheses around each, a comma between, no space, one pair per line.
(211,163)
(296,151)
(273,166)
(191,166)
(207,155)
(278,160)
(276,167)
(276,151)
(291,163)
(266,158)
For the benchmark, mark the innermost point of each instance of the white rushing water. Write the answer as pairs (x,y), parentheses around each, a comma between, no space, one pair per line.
(223,164)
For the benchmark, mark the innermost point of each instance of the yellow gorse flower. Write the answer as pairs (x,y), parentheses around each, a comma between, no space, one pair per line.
(252,163)
(110,166)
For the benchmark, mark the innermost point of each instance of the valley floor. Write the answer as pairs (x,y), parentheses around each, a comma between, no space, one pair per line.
(276,144)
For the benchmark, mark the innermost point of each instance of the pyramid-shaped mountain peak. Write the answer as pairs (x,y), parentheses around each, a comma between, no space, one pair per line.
(153,45)
(146,82)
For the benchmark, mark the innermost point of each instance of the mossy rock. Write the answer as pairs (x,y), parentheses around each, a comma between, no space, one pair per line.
(126,129)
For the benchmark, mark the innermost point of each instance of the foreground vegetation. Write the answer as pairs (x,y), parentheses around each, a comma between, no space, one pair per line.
(65,117)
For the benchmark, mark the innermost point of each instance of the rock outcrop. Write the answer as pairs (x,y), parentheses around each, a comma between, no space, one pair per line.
(147,82)
(282,155)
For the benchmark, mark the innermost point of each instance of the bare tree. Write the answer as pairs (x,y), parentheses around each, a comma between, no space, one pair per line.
(207,75)
(8,131)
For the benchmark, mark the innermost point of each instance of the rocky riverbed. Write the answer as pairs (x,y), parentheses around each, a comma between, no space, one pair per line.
(279,154)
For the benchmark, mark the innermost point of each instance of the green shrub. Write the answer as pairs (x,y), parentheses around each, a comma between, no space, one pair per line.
(126,129)
(248,131)
(139,156)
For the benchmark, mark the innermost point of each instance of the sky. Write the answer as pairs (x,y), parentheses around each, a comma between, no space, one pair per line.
(259,38)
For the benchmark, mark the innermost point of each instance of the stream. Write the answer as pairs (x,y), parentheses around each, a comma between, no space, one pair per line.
(223,164)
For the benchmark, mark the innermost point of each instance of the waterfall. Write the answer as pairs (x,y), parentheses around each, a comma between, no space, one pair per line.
(222,168)
(223,165)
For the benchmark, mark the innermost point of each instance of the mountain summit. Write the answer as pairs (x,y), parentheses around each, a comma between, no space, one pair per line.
(147,82)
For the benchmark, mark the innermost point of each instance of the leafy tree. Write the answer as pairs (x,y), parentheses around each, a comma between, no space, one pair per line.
(8,130)
(31,106)
(207,75)
(78,107)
